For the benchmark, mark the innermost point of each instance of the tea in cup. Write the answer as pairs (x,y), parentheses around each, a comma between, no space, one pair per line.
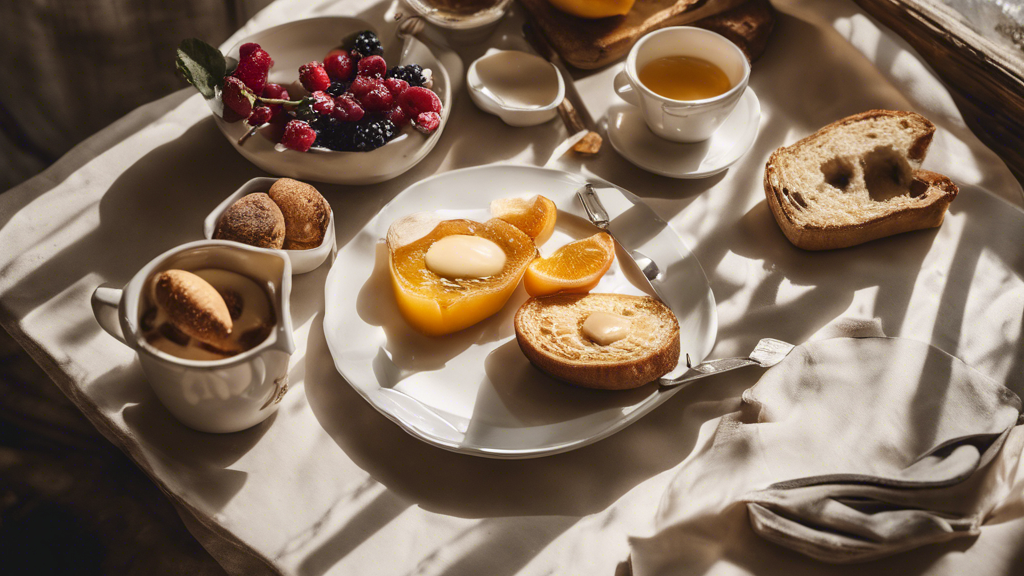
(686,81)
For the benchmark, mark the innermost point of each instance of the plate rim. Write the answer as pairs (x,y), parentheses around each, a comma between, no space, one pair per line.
(635,415)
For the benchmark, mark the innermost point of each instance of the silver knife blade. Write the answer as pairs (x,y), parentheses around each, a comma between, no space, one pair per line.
(599,217)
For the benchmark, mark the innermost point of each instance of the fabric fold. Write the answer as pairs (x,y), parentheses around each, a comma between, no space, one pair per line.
(851,449)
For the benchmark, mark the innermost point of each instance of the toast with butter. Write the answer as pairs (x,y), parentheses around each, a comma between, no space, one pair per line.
(640,345)
(856,180)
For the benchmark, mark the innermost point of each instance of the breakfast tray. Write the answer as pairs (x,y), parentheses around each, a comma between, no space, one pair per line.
(590,44)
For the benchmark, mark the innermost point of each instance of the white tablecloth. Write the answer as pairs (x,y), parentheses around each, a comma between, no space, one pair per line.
(329,485)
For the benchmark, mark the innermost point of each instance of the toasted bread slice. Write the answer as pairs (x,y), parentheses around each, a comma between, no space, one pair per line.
(550,333)
(857,180)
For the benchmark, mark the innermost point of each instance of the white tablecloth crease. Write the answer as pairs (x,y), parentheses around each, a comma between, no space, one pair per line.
(852,449)
(329,486)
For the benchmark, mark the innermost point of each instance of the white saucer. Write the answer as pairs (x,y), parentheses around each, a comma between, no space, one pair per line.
(631,137)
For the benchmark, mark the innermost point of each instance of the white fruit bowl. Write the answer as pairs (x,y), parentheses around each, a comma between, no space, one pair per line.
(296,43)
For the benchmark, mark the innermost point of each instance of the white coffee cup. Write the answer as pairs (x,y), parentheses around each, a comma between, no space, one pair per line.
(225,395)
(683,120)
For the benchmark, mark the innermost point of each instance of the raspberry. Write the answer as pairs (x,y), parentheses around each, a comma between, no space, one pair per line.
(411,73)
(417,99)
(237,97)
(314,77)
(347,110)
(427,122)
(397,116)
(373,67)
(260,116)
(248,48)
(396,86)
(298,136)
(323,103)
(339,66)
(362,85)
(253,66)
(377,100)
(366,44)
(276,91)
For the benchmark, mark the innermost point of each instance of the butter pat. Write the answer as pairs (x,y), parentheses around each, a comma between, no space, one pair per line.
(463,256)
(604,328)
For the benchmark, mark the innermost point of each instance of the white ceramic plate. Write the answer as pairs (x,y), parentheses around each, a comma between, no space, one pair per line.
(474,392)
(631,138)
(296,43)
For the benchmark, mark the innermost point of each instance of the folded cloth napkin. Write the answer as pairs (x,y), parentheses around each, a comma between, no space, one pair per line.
(850,449)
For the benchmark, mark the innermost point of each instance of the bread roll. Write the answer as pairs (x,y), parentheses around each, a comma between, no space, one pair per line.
(193,305)
(306,213)
(255,220)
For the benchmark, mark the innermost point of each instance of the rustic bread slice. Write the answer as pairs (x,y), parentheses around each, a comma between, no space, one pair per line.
(856,180)
(550,333)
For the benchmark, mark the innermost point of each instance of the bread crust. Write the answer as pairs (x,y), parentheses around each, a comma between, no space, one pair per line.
(306,213)
(193,305)
(254,219)
(617,374)
(936,189)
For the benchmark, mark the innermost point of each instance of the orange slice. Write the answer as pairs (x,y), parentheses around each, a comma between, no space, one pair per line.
(535,216)
(575,267)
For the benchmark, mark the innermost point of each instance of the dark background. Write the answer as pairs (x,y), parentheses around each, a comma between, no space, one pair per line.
(70,502)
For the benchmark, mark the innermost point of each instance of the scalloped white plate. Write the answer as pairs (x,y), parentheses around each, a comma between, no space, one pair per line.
(296,43)
(474,392)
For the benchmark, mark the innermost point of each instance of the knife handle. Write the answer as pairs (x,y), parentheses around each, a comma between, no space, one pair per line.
(592,204)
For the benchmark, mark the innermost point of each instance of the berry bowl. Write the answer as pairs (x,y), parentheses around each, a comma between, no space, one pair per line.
(294,44)
(302,261)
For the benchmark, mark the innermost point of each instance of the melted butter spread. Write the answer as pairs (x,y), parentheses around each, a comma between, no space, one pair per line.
(604,328)
(463,256)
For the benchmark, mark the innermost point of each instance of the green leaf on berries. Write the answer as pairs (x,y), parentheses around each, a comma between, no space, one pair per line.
(202,65)
(304,109)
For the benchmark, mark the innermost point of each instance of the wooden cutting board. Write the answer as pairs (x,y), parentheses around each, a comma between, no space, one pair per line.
(589,44)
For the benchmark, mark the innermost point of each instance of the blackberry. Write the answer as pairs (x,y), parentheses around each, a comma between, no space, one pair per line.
(338,88)
(368,134)
(329,132)
(411,73)
(366,44)
(371,134)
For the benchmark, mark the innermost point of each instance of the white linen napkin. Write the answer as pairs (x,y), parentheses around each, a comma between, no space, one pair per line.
(850,449)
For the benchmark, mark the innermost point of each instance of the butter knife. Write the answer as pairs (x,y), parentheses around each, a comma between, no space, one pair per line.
(598,216)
